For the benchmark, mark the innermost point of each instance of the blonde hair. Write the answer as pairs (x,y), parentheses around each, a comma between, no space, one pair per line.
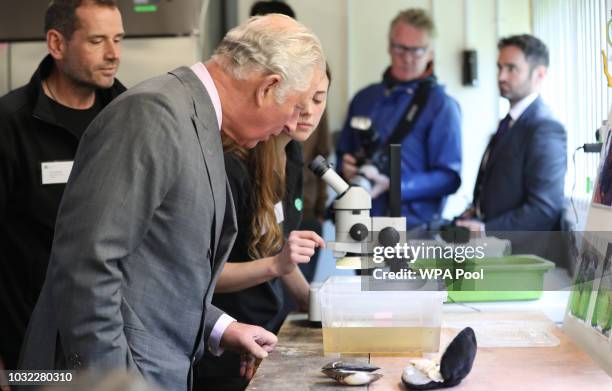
(268,173)
(259,46)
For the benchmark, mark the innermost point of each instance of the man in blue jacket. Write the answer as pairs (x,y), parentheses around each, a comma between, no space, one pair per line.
(431,144)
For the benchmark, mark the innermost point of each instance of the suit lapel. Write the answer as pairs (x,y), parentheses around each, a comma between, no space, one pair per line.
(207,130)
(212,151)
(511,134)
(228,233)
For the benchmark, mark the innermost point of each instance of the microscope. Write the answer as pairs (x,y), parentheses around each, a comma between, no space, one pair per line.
(357,233)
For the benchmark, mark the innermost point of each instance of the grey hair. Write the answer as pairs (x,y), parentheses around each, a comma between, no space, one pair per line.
(415,17)
(257,47)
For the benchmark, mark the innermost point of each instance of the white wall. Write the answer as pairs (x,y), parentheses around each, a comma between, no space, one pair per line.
(145,58)
(23,60)
(514,17)
(475,30)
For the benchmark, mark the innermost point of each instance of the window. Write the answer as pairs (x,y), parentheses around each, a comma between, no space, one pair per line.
(576,88)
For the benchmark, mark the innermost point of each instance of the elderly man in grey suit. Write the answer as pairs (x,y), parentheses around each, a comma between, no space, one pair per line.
(146,220)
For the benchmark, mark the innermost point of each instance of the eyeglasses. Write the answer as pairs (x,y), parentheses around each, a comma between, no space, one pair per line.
(413,51)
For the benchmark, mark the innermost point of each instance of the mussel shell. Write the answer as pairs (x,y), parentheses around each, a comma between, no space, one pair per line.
(347,366)
(457,361)
(455,365)
(352,378)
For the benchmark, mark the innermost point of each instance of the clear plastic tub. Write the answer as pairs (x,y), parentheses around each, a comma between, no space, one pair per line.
(397,322)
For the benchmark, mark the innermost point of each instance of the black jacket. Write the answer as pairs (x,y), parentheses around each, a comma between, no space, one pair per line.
(30,134)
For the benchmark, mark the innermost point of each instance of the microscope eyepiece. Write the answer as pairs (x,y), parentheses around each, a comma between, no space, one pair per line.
(324,170)
(319,166)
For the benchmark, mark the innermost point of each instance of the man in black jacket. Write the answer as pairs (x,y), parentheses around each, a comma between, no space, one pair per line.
(40,127)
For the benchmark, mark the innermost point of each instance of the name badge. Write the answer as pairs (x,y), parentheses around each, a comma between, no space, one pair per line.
(55,172)
(278,211)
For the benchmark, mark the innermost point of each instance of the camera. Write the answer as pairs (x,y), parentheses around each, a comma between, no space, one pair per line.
(370,159)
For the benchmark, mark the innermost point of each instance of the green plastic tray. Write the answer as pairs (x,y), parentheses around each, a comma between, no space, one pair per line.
(517,277)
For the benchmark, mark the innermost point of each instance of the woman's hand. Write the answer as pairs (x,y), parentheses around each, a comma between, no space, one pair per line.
(298,248)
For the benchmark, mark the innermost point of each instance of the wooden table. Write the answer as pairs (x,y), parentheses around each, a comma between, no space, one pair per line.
(296,362)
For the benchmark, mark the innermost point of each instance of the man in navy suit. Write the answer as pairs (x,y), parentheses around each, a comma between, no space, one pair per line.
(521,178)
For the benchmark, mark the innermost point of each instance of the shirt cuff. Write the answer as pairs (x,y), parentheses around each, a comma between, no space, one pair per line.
(214,341)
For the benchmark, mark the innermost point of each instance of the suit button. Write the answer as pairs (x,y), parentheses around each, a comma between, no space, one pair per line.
(208,254)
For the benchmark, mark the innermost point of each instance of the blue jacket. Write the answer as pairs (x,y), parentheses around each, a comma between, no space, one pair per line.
(431,152)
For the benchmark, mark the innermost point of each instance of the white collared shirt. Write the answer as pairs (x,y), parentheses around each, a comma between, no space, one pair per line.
(519,108)
(209,84)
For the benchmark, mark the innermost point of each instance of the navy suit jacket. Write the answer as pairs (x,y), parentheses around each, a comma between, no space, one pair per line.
(523,181)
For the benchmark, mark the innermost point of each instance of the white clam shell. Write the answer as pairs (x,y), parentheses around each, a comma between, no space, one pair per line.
(422,371)
(358,379)
(412,375)
(352,378)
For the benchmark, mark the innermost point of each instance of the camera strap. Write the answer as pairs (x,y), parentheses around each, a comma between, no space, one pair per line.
(412,113)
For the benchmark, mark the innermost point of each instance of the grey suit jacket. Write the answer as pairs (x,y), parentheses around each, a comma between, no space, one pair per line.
(143,230)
